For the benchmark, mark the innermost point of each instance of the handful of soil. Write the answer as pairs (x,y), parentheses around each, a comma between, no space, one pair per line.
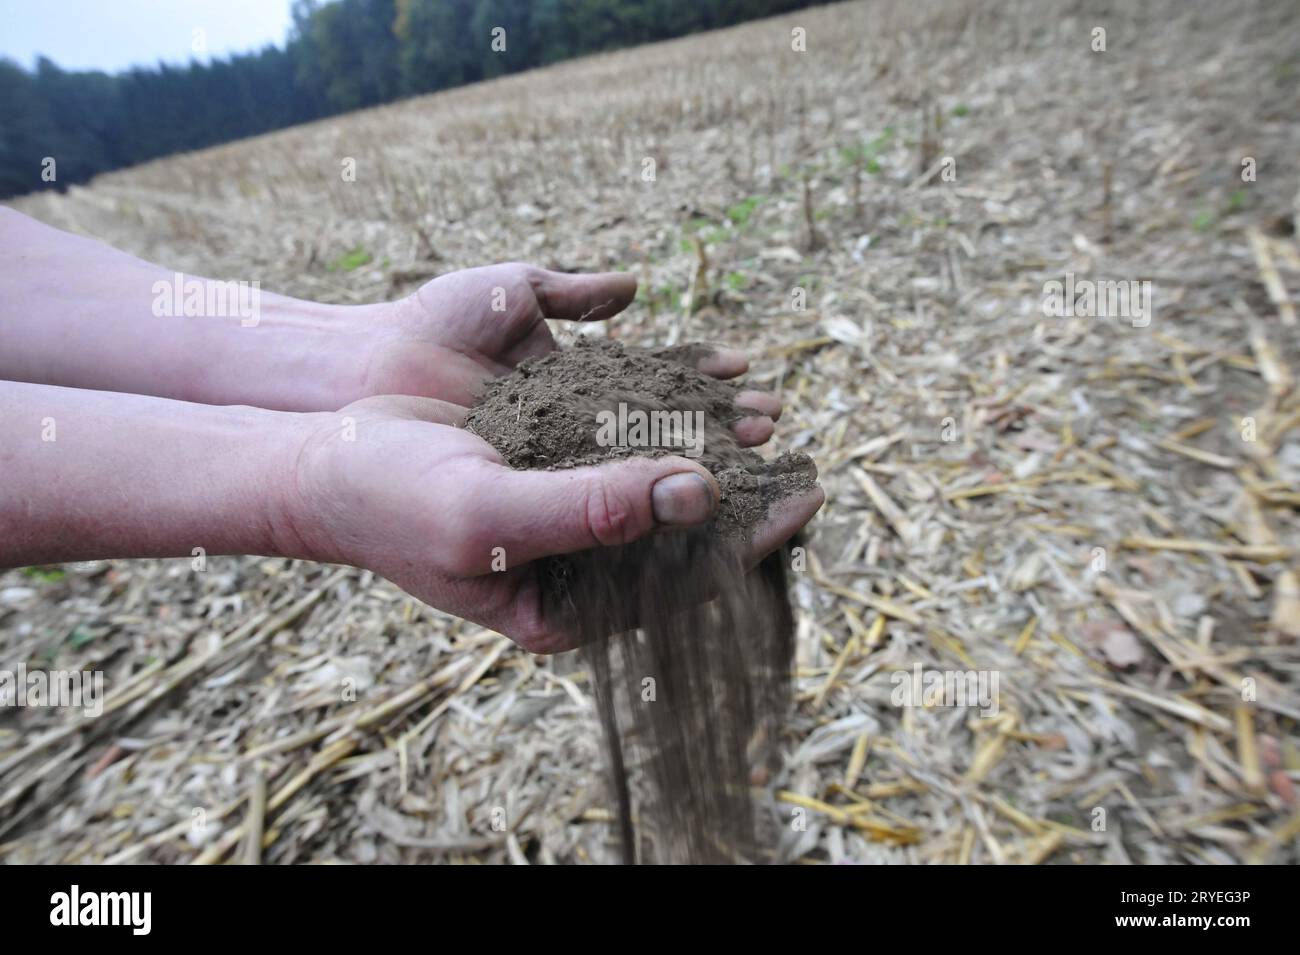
(690,654)
(559,410)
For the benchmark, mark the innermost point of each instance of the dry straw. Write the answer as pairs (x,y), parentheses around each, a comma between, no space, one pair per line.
(1103,514)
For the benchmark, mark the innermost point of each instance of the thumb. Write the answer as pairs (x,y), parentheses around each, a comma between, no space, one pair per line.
(582,296)
(539,513)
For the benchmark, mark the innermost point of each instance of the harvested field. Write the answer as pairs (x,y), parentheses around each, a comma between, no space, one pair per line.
(1092,515)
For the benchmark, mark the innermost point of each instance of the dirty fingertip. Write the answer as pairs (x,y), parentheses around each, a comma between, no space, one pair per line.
(720,362)
(753,430)
(682,499)
(764,402)
(784,520)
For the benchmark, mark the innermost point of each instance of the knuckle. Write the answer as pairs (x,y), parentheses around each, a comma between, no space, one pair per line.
(611,518)
(518,275)
(535,280)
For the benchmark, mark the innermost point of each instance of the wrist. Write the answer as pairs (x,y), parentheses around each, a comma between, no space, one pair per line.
(267,488)
(295,356)
(309,356)
(298,490)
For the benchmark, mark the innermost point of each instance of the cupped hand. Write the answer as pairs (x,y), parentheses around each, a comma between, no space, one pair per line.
(464,327)
(392,484)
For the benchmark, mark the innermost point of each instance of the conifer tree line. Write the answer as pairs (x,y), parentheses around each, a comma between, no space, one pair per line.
(59,127)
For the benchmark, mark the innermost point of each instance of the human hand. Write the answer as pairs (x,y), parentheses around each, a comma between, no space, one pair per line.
(393,485)
(465,327)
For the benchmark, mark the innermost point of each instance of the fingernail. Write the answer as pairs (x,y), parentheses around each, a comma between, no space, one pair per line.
(683,498)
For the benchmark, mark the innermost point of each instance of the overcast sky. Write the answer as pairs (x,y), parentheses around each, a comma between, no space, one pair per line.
(112,35)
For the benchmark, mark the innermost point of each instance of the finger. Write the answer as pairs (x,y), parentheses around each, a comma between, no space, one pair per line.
(412,408)
(713,360)
(536,514)
(764,402)
(753,430)
(783,521)
(722,363)
(528,623)
(582,297)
